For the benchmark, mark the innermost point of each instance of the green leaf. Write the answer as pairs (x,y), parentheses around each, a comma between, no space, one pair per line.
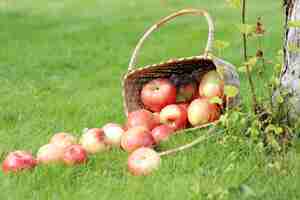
(242,69)
(279,99)
(252,61)
(294,24)
(246,29)
(219,44)
(234,3)
(275,81)
(231,91)
(216,100)
(278,130)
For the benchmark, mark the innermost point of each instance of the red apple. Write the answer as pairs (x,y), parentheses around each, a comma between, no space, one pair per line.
(201,111)
(63,139)
(143,162)
(18,161)
(158,93)
(135,138)
(184,105)
(211,85)
(93,141)
(50,154)
(75,155)
(162,133)
(186,92)
(142,117)
(113,134)
(174,115)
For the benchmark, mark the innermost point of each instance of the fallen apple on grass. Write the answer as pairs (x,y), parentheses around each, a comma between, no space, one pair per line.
(75,155)
(174,115)
(211,85)
(113,134)
(142,117)
(50,154)
(201,111)
(162,133)
(135,138)
(63,140)
(93,141)
(158,93)
(18,161)
(143,162)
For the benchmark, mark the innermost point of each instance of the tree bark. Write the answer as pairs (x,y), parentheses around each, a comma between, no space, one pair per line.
(290,75)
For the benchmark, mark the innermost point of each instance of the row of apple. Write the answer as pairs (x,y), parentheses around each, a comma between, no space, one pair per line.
(170,107)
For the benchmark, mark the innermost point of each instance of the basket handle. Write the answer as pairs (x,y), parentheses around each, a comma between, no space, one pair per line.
(157,25)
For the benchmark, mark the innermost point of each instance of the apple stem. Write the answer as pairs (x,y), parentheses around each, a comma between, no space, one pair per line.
(189,145)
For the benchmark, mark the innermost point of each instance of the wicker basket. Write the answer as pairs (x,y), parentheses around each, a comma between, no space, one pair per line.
(135,78)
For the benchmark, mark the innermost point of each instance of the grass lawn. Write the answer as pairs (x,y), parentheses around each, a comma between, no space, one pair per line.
(61,63)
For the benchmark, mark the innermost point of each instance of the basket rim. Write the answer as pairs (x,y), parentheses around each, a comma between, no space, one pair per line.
(169,61)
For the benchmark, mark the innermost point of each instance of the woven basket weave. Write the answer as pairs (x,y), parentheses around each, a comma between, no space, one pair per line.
(135,78)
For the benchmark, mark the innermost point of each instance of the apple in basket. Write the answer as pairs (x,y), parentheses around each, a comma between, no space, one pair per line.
(93,141)
(174,115)
(63,140)
(186,92)
(18,161)
(50,154)
(158,93)
(75,155)
(113,134)
(135,138)
(162,133)
(142,117)
(211,85)
(201,111)
(143,162)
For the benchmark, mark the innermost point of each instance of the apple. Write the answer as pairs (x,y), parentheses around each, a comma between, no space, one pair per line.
(93,141)
(174,115)
(158,93)
(186,92)
(143,162)
(211,85)
(162,133)
(18,161)
(142,117)
(135,138)
(184,105)
(50,154)
(201,111)
(75,155)
(63,139)
(113,134)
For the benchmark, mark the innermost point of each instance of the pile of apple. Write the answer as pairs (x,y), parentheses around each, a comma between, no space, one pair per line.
(170,105)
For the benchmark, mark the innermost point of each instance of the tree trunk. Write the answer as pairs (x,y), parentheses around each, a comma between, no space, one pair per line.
(290,75)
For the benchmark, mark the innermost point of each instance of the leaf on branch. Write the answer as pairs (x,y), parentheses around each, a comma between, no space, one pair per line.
(275,81)
(279,99)
(231,91)
(247,29)
(252,61)
(294,24)
(243,69)
(234,3)
(220,44)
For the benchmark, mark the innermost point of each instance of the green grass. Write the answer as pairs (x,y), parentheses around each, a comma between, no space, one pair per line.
(61,63)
